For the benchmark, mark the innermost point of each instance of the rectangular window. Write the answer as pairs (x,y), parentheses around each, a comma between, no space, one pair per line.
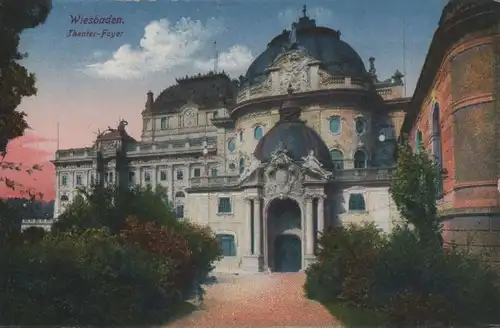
(227,245)
(197,173)
(131,177)
(180,174)
(79,180)
(106,177)
(163,175)
(179,211)
(147,176)
(110,176)
(357,202)
(214,171)
(225,205)
(163,124)
(92,179)
(64,180)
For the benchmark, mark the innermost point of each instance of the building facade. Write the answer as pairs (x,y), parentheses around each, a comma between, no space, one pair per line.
(306,138)
(454,115)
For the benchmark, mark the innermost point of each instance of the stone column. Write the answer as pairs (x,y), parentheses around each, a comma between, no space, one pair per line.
(309,227)
(321,215)
(248,227)
(155,177)
(257,228)
(170,177)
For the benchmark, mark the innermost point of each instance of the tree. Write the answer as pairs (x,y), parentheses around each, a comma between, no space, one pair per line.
(15,80)
(109,207)
(414,190)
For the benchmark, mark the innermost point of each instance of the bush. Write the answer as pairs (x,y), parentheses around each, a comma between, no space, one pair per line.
(418,283)
(83,279)
(346,258)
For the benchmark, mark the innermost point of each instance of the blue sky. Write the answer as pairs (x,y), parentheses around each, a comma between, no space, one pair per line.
(85,83)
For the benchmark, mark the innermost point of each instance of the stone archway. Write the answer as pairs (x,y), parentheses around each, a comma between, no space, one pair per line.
(283,237)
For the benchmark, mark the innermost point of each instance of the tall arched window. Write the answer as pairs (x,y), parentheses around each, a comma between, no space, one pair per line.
(418,141)
(242,165)
(337,158)
(360,159)
(436,146)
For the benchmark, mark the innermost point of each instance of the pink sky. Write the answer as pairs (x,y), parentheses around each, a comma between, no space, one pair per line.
(28,151)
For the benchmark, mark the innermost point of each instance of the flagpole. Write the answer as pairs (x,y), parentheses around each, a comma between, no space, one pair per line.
(57,135)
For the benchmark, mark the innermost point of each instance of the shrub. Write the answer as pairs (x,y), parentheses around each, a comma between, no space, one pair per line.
(191,250)
(418,283)
(346,258)
(83,279)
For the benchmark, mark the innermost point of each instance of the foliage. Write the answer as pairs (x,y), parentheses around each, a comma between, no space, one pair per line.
(109,207)
(85,278)
(33,235)
(346,258)
(16,83)
(419,284)
(164,243)
(414,191)
(352,316)
(408,275)
(143,216)
(203,245)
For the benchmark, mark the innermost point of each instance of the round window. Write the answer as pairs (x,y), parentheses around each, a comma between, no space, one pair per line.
(231,145)
(360,126)
(335,125)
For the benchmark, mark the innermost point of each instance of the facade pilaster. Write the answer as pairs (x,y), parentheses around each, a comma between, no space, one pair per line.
(257,228)
(321,215)
(309,227)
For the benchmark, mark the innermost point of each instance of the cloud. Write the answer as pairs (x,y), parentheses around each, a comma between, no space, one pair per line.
(235,61)
(323,16)
(163,47)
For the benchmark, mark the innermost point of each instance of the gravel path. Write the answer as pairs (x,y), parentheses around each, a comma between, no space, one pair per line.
(257,300)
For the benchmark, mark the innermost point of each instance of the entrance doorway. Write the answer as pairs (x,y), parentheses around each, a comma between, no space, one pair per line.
(288,253)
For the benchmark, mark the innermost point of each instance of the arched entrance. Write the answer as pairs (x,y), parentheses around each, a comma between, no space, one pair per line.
(284,231)
(288,253)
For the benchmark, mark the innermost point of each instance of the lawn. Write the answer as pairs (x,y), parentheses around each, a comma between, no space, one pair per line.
(354,317)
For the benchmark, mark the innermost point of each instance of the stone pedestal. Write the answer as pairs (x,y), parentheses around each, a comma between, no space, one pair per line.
(252,263)
(308,260)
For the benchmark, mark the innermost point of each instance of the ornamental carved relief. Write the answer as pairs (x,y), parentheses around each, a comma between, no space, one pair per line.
(325,78)
(294,72)
(283,178)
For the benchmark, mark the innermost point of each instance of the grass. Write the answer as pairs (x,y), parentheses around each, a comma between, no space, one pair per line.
(354,317)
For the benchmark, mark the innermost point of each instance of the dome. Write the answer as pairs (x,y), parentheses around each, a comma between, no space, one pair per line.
(321,43)
(295,136)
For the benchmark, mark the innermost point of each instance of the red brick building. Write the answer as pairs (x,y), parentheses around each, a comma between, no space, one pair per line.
(455,115)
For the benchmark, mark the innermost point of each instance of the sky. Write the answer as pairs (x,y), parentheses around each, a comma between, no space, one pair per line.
(87,83)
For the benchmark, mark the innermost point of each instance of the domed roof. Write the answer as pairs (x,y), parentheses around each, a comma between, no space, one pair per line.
(320,43)
(295,136)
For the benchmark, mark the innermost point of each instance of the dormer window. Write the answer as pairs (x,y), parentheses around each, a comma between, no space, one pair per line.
(258,132)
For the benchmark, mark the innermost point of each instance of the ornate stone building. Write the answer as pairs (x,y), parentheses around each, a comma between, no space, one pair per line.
(454,114)
(306,139)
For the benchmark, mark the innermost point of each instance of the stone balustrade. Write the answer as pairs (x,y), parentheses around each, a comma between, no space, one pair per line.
(160,148)
(213,181)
